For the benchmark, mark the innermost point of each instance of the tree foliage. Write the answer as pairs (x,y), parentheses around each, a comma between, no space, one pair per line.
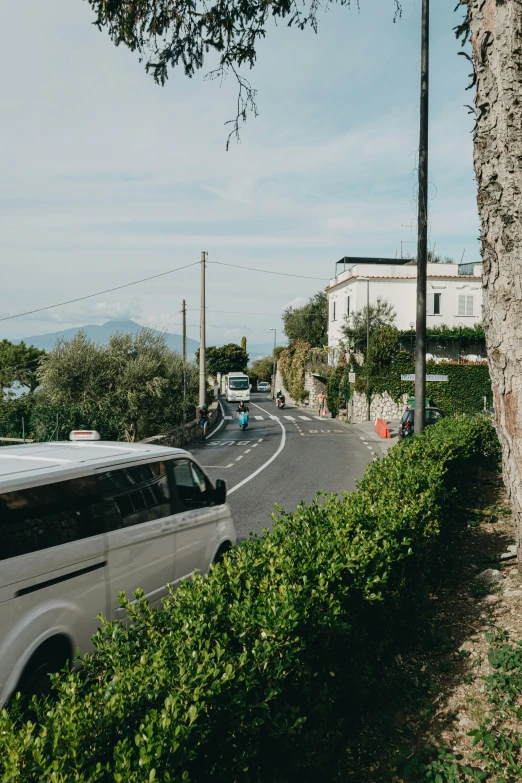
(18,364)
(263,368)
(128,389)
(380,314)
(225,359)
(168,33)
(308,324)
(384,344)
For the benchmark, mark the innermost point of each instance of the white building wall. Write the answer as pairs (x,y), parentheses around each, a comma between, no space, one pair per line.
(398,285)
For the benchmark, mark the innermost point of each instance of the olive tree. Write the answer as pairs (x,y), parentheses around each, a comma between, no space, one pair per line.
(128,389)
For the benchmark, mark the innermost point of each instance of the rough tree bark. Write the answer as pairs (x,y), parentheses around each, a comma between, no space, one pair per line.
(496,37)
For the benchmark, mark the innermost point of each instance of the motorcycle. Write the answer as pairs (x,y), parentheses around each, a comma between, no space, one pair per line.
(243,420)
(280,402)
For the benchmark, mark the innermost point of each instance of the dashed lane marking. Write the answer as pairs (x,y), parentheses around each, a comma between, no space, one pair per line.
(247,451)
(238,458)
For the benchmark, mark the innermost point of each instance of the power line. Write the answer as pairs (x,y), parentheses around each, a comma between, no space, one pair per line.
(267,271)
(99,293)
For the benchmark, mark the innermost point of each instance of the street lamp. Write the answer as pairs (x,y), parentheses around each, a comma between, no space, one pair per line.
(274,371)
(367,280)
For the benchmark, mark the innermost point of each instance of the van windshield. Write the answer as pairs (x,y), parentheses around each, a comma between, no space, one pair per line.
(238,383)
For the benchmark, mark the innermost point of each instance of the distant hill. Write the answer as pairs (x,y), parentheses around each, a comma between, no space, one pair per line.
(101,334)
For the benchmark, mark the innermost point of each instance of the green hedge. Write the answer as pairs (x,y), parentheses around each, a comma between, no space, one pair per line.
(250,674)
(464,391)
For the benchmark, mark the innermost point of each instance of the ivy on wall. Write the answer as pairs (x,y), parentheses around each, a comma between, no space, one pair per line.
(292,366)
(449,334)
(464,391)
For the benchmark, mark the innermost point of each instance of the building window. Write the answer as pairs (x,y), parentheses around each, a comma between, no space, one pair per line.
(333,310)
(347,307)
(434,304)
(466,304)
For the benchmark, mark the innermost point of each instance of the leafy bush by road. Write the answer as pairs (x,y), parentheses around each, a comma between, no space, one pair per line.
(254,673)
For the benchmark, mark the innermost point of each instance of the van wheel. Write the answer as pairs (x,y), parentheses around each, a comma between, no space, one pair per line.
(223,549)
(50,658)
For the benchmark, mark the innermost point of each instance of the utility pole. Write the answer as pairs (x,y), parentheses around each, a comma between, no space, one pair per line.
(422,227)
(202,339)
(368,344)
(184,331)
(184,374)
(274,368)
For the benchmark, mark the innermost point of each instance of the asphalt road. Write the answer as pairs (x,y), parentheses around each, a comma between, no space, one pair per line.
(285,456)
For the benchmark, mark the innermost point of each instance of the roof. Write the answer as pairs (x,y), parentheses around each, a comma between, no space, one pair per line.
(355,278)
(40,463)
(370,260)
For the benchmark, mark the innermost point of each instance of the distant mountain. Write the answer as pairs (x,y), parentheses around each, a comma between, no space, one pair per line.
(101,334)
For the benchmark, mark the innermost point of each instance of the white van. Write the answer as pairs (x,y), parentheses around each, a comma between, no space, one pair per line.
(83,521)
(237,387)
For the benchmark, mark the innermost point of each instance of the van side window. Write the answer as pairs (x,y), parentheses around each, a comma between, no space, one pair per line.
(191,485)
(42,517)
(134,495)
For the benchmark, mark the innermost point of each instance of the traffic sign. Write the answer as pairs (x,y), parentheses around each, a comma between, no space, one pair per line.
(429,378)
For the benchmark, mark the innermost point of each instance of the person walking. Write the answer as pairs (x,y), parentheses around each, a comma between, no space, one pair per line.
(321,402)
(204,419)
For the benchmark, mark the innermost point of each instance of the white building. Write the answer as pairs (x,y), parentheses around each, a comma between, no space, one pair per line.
(454,293)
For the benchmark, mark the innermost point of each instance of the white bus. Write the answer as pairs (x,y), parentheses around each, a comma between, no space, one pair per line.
(237,387)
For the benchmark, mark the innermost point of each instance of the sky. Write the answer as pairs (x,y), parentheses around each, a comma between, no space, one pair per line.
(108,178)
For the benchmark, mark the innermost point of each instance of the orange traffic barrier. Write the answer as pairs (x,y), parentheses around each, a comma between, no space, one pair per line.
(381,428)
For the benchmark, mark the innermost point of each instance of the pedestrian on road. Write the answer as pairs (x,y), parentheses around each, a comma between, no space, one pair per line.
(321,402)
(203,419)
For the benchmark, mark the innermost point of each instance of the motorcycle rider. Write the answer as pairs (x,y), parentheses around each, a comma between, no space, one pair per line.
(242,407)
(280,398)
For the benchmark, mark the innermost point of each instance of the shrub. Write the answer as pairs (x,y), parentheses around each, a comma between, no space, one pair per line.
(246,674)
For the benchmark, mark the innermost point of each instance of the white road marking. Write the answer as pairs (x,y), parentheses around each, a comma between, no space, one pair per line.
(290,418)
(259,418)
(361,437)
(247,451)
(276,418)
(221,467)
(229,418)
(255,445)
(268,462)
(238,458)
(260,440)
(305,418)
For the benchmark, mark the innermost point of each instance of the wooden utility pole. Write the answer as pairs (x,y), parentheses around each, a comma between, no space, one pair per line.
(202,340)
(184,331)
(422,227)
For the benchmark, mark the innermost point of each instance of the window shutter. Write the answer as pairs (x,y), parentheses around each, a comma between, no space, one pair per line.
(462,304)
(431,302)
(469,305)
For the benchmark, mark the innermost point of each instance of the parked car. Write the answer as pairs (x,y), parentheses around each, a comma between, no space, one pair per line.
(83,521)
(406,427)
(263,386)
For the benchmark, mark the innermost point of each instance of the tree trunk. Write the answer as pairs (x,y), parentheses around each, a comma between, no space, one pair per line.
(496,37)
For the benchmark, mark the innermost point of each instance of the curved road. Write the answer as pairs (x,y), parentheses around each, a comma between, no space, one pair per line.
(283,457)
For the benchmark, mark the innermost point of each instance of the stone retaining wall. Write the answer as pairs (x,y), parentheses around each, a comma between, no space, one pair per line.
(382,406)
(174,438)
(312,384)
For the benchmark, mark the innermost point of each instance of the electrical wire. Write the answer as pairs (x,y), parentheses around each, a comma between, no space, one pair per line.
(99,293)
(268,271)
